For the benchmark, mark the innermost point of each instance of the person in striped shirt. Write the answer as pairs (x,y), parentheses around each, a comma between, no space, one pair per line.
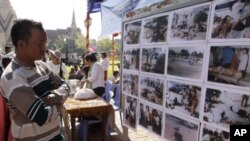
(34,94)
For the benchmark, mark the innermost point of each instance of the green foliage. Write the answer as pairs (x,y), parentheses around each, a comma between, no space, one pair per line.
(80,41)
(104,45)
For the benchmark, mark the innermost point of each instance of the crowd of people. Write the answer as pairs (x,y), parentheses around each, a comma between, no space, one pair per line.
(34,84)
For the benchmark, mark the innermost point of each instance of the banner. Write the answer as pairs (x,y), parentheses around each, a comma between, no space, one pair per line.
(94,5)
(113,11)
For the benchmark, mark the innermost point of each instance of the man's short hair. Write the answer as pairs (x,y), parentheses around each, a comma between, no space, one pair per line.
(91,57)
(104,54)
(21,30)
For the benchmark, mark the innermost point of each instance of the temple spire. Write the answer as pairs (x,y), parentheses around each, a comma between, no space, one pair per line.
(73,27)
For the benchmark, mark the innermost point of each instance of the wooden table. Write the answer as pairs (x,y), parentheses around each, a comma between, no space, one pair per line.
(90,107)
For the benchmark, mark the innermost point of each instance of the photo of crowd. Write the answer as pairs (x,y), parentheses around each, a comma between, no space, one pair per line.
(150,118)
(153,60)
(231,19)
(183,98)
(229,65)
(151,89)
(185,62)
(132,32)
(130,83)
(210,133)
(130,112)
(224,108)
(189,24)
(131,58)
(155,29)
(178,129)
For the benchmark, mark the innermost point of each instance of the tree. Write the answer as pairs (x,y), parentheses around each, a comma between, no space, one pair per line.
(104,45)
(80,43)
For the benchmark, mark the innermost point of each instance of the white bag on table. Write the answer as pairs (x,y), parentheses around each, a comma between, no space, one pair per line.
(84,93)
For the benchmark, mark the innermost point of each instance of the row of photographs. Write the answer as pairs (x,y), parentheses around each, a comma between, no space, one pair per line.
(229,20)
(219,64)
(222,107)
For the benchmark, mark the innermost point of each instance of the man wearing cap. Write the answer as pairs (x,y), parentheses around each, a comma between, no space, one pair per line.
(34,93)
(56,64)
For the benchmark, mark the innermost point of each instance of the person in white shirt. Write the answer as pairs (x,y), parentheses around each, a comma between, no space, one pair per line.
(95,74)
(105,64)
(56,64)
(243,64)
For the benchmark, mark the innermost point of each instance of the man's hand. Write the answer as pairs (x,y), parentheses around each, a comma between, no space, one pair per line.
(53,99)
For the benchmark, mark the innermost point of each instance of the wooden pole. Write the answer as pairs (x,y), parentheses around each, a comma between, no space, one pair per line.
(113,50)
(87,21)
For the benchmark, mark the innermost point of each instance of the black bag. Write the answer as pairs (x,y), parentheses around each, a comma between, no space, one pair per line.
(61,71)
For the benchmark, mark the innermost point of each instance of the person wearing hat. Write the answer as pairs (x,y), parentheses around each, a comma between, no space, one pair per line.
(56,64)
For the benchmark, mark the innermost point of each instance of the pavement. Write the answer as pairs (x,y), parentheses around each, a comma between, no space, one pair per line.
(121,133)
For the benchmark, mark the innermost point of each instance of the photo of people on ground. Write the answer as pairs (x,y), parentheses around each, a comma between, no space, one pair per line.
(155,29)
(224,108)
(131,58)
(153,60)
(130,112)
(150,118)
(130,83)
(183,98)
(178,129)
(151,89)
(189,24)
(231,19)
(210,133)
(229,65)
(132,32)
(186,62)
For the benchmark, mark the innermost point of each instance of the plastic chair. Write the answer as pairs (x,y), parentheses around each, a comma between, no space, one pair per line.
(117,98)
(108,91)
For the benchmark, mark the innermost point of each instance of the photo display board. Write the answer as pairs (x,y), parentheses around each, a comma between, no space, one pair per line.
(186,72)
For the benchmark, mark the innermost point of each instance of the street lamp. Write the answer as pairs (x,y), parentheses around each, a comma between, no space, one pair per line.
(87,22)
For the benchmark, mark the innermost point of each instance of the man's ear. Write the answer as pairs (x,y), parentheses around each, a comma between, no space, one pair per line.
(21,44)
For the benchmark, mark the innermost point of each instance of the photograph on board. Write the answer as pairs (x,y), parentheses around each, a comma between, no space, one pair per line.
(230,19)
(132,33)
(224,107)
(189,24)
(153,60)
(130,112)
(155,29)
(150,118)
(179,129)
(183,98)
(186,62)
(211,133)
(131,58)
(229,65)
(151,89)
(130,83)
